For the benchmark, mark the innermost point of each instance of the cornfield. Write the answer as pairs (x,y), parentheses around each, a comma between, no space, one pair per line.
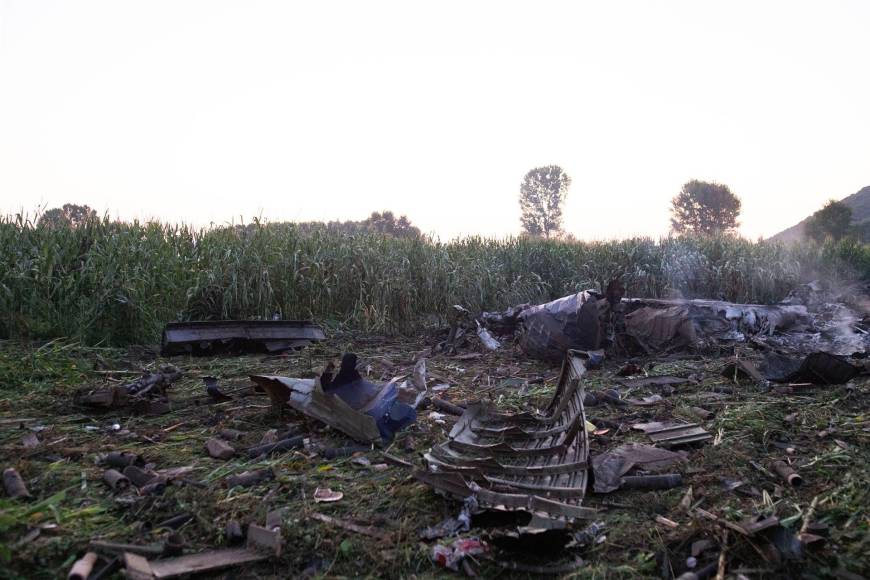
(113,283)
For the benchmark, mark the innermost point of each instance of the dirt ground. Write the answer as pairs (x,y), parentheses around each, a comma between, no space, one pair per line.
(822,431)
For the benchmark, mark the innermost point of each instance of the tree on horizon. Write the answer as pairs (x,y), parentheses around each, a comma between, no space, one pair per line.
(704,207)
(542,194)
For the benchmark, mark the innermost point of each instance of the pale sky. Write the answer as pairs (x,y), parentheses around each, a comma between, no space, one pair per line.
(219,111)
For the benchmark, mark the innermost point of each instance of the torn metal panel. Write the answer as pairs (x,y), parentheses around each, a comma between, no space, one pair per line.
(572,322)
(674,435)
(522,462)
(213,336)
(308,398)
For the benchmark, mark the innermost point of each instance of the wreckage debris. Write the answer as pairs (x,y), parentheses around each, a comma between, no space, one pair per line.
(701,413)
(588,321)
(651,482)
(820,368)
(296,442)
(138,476)
(116,480)
(370,531)
(231,434)
(212,390)
(737,369)
(82,568)
(336,452)
(233,533)
(146,395)
(674,435)
(528,463)
(121,459)
(219,449)
(249,478)
(653,381)
(223,336)
(260,546)
(787,474)
(454,556)
(14,485)
(610,468)
(326,495)
(359,408)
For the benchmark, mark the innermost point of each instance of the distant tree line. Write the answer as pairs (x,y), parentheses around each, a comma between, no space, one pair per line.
(385,223)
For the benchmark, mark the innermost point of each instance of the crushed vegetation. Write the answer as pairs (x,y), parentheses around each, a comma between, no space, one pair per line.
(372,528)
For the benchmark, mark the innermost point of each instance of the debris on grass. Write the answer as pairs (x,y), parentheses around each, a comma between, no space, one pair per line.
(235,336)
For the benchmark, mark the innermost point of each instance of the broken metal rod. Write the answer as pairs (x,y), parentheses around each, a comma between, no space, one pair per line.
(116,480)
(116,548)
(447,407)
(788,474)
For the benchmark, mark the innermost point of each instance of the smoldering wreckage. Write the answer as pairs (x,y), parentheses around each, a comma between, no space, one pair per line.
(518,481)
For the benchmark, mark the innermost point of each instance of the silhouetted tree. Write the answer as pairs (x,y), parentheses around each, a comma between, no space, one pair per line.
(386,223)
(702,207)
(541,196)
(832,221)
(70,215)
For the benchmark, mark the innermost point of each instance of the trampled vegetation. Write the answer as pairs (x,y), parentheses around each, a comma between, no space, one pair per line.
(105,282)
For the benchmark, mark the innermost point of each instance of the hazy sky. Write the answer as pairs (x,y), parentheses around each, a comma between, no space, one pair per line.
(207,111)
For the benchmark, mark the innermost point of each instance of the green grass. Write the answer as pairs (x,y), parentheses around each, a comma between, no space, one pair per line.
(68,491)
(117,283)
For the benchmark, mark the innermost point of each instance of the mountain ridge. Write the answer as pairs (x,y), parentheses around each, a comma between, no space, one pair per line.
(858,201)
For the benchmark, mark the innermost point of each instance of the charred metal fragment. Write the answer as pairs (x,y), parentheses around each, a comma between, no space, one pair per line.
(116,480)
(220,336)
(672,436)
(819,368)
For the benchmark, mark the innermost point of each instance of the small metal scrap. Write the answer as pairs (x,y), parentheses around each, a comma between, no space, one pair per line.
(673,436)
(81,570)
(14,485)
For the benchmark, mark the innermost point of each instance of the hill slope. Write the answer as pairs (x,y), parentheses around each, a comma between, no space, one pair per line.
(859,202)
